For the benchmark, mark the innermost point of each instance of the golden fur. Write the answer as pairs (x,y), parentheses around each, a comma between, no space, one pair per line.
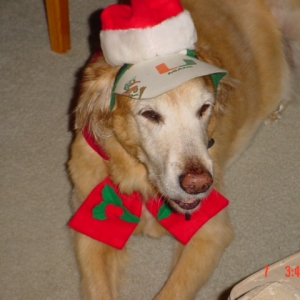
(258,43)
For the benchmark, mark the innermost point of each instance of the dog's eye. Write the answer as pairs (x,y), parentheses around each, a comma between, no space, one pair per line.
(152,115)
(202,110)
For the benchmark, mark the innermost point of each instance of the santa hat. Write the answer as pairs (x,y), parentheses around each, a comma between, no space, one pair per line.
(144,30)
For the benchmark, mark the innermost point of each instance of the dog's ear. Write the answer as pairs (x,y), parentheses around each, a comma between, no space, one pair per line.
(95,92)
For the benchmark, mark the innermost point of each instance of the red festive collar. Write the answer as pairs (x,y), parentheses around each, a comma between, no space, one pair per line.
(110,216)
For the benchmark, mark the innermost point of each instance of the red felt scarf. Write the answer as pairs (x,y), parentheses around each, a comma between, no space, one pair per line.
(110,217)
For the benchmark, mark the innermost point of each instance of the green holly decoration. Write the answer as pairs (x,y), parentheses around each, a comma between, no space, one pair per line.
(164,212)
(110,198)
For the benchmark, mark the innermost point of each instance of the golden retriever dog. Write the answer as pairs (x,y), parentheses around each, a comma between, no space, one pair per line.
(155,146)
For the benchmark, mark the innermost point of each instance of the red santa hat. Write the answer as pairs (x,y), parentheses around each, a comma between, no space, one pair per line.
(144,30)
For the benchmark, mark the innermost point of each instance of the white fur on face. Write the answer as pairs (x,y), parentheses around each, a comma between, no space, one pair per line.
(173,135)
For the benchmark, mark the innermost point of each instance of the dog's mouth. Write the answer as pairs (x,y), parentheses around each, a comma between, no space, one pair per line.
(187,205)
(183,206)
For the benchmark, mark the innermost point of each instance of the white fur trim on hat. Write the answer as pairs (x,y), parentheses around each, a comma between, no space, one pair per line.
(135,45)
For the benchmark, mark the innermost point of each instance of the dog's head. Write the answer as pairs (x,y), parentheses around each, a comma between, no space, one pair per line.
(169,135)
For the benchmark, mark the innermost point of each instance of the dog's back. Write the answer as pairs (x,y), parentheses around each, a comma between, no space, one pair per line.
(258,42)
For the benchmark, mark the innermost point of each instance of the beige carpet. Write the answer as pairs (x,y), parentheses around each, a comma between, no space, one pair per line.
(36,257)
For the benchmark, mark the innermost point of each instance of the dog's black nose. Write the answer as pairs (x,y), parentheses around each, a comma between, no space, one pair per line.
(196,181)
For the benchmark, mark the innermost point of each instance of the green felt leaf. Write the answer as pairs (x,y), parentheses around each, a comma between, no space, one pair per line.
(99,211)
(164,212)
(128,216)
(110,196)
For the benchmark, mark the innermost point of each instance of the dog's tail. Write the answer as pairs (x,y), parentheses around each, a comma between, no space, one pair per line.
(287,16)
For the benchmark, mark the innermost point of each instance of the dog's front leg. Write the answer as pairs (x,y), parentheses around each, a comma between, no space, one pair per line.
(196,261)
(101,267)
